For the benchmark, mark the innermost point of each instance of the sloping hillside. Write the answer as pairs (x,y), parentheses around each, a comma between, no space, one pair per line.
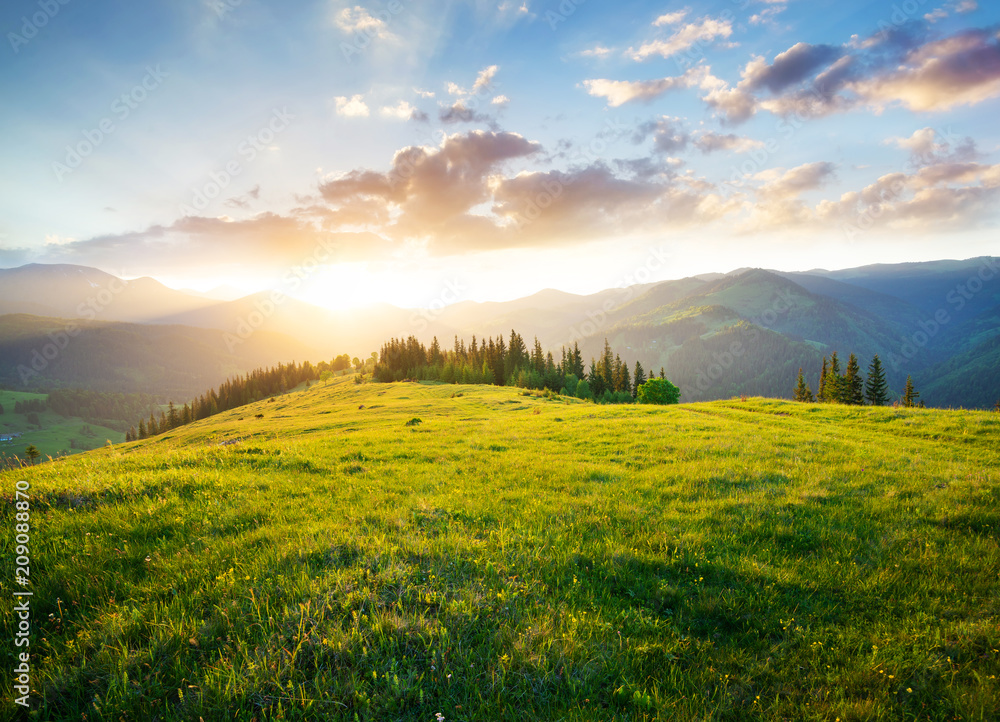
(411,552)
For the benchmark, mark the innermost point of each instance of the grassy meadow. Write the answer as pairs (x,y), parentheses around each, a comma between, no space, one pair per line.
(58,435)
(415,551)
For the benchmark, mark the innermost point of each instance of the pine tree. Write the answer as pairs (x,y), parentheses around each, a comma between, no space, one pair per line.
(626,381)
(876,388)
(619,376)
(596,379)
(173,418)
(663,374)
(538,357)
(142,429)
(834,380)
(639,378)
(802,392)
(910,394)
(824,377)
(434,355)
(852,388)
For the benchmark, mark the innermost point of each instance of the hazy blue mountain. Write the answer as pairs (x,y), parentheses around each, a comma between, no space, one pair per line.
(925,319)
(174,361)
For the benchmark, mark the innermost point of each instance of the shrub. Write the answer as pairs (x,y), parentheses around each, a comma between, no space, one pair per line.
(658,391)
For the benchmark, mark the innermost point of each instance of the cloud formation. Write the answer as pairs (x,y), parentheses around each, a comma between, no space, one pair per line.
(359,20)
(703,31)
(619,92)
(902,65)
(353,107)
(400,111)
(928,146)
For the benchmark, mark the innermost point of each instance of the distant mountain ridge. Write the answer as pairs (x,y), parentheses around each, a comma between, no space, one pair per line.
(716,334)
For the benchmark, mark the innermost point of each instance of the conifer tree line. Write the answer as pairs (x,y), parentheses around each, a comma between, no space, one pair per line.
(242,390)
(26,407)
(512,362)
(850,387)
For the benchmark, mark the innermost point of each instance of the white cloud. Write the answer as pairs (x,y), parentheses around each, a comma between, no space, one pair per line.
(500,100)
(401,111)
(485,79)
(359,20)
(709,142)
(353,107)
(619,92)
(483,82)
(513,11)
(671,18)
(598,51)
(703,31)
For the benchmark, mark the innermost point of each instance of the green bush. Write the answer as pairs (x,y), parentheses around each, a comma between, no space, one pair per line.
(658,391)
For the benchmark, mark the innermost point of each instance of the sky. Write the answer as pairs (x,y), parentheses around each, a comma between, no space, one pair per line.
(427,152)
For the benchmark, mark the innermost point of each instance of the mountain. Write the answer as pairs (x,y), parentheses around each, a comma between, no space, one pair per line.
(746,333)
(716,335)
(883,305)
(67,291)
(955,286)
(176,362)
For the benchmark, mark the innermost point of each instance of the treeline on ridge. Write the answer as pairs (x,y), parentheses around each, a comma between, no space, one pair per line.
(240,391)
(112,410)
(851,388)
(512,363)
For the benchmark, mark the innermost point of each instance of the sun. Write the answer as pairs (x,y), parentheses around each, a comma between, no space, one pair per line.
(348,286)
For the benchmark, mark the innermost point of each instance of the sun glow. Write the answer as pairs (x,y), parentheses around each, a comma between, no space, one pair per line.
(356,285)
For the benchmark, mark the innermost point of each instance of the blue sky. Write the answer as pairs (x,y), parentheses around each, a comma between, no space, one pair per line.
(507,146)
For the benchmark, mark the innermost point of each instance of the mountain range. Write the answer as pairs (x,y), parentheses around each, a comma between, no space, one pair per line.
(716,335)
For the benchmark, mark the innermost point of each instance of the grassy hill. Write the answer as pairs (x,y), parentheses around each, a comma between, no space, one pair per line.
(384,552)
(54,435)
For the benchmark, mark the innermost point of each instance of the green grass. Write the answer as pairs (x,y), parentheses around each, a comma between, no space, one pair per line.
(57,433)
(512,557)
